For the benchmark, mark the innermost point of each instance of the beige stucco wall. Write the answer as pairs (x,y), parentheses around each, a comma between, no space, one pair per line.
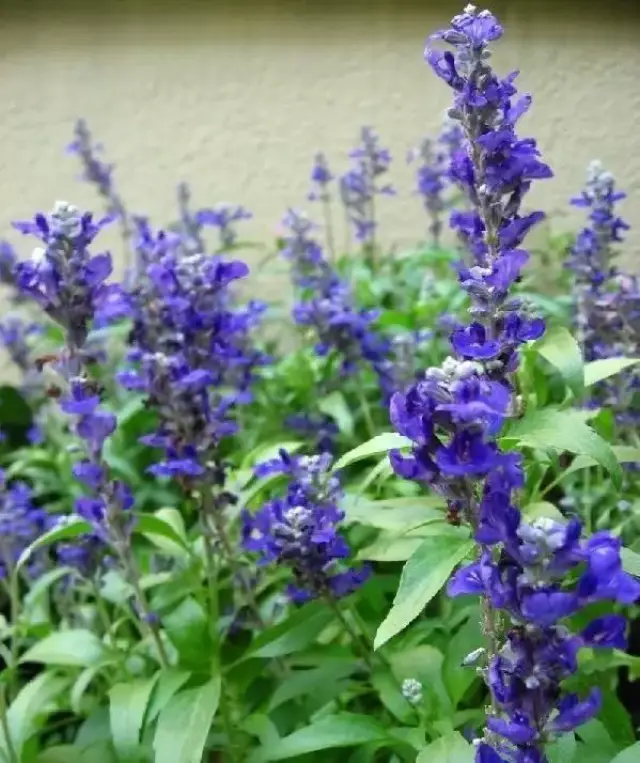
(235,97)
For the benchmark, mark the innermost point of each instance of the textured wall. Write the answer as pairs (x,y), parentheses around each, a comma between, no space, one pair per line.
(236,97)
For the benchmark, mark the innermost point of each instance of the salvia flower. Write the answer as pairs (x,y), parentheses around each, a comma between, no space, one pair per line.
(606,301)
(433,158)
(300,530)
(454,413)
(64,278)
(223,217)
(99,173)
(327,306)
(360,185)
(321,178)
(21,523)
(192,352)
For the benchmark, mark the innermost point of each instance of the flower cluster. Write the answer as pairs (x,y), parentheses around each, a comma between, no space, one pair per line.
(69,284)
(360,185)
(191,346)
(300,530)
(21,522)
(433,158)
(529,584)
(327,306)
(453,414)
(66,280)
(607,302)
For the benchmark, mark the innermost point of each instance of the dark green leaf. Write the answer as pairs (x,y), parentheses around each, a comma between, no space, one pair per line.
(188,629)
(423,576)
(160,526)
(68,528)
(293,634)
(169,682)
(335,406)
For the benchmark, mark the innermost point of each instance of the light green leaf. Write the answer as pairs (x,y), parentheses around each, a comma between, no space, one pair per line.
(75,648)
(297,632)
(188,630)
(35,699)
(184,724)
(169,682)
(452,748)
(160,526)
(564,430)
(394,513)
(41,586)
(381,443)
(342,730)
(542,509)
(127,707)
(67,528)
(599,370)
(560,349)
(335,406)
(630,755)
(423,576)
(562,750)
(630,561)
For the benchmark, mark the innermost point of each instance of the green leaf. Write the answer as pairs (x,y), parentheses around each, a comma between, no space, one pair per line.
(67,528)
(452,748)
(630,561)
(342,730)
(184,724)
(161,525)
(335,406)
(560,349)
(297,632)
(75,648)
(564,430)
(35,700)
(562,750)
(458,678)
(381,443)
(599,370)
(188,630)
(395,513)
(170,681)
(127,707)
(630,755)
(301,682)
(542,509)
(423,576)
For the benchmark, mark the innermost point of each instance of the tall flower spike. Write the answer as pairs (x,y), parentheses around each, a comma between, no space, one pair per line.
(300,530)
(433,158)
(606,301)
(361,184)
(100,174)
(327,307)
(454,413)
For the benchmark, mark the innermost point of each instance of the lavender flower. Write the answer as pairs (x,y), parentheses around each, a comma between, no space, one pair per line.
(432,173)
(360,185)
(454,413)
(300,530)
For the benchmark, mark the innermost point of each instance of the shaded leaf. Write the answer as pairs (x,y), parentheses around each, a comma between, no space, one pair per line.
(381,443)
(559,348)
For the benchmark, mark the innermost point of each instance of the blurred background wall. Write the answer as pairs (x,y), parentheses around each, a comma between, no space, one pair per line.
(236,96)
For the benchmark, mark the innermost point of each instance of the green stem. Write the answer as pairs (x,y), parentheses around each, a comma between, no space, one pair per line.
(326,207)
(14,601)
(133,578)
(366,411)
(4,722)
